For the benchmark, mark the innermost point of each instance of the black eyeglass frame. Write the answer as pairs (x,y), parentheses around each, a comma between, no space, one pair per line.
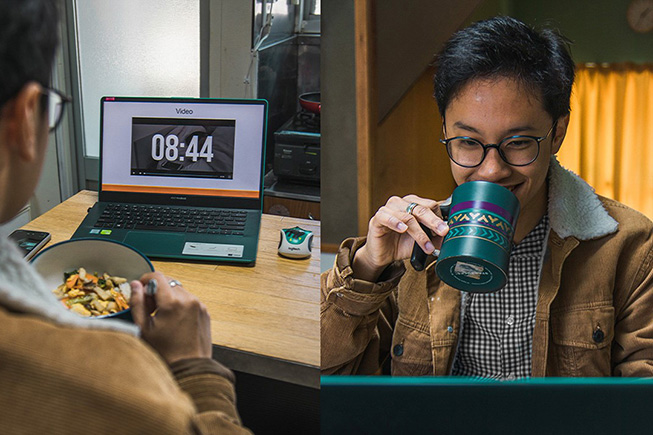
(486,147)
(46,100)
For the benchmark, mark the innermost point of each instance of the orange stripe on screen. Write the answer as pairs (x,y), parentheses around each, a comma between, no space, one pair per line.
(180,191)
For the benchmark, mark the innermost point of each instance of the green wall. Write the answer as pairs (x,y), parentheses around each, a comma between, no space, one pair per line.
(598,28)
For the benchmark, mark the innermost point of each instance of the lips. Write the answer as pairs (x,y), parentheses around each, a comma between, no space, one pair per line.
(511,188)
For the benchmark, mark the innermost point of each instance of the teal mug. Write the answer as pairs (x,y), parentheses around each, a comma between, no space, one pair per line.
(475,253)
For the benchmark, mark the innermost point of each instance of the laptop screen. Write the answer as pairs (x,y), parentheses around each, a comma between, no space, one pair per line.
(185,151)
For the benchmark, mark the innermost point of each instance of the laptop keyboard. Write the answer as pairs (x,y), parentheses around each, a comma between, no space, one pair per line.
(164,218)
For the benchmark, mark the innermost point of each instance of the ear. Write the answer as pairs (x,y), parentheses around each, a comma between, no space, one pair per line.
(23,118)
(559,133)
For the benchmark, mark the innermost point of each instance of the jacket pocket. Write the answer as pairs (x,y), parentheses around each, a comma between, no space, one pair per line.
(411,350)
(581,341)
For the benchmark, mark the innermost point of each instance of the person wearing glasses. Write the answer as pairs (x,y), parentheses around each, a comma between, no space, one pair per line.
(579,296)
(61,373)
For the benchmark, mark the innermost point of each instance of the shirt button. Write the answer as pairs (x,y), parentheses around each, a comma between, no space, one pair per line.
(398,350)
(511,377)
(510,320)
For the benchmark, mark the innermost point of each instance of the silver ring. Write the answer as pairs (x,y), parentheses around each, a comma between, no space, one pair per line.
(174,283)
(411,207)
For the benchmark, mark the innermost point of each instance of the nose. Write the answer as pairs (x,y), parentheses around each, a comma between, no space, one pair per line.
(493,167)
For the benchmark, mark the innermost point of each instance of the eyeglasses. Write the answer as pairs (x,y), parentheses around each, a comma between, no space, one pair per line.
(517,150)
(56,101)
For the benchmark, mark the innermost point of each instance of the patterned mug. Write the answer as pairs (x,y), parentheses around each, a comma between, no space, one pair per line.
(475,253)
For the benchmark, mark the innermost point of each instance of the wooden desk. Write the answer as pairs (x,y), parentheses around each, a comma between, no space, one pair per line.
(264,319)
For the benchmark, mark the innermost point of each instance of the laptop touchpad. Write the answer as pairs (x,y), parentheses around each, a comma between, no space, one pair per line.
(155,243)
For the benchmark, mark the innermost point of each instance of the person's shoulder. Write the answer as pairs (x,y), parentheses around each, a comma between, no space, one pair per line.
(109,373)
(627,216)
(635,230)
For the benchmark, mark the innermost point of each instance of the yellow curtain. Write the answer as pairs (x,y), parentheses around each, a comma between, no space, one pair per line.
(609,142)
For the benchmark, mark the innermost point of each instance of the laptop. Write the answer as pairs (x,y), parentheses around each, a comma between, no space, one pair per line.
(181,178)
(457,405)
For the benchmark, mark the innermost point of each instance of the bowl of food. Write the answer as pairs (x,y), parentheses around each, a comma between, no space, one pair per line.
(91,276)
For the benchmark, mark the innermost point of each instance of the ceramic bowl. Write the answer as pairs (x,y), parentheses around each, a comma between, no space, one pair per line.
(94,255)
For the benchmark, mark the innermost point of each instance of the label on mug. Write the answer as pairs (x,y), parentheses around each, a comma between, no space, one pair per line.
(471,273)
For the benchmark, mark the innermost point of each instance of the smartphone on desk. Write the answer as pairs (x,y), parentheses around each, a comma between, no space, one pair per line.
(30,242)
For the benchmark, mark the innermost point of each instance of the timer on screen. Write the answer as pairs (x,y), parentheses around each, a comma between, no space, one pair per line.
(170,148)
(199,148)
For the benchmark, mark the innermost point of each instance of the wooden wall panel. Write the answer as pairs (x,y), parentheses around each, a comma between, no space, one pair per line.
(365,105)
(398,123)
(409,34)
(407,155)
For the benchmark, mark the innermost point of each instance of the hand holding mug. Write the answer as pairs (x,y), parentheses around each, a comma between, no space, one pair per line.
(393,230)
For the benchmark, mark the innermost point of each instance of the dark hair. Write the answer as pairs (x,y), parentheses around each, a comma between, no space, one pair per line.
(506,47)
(28,41)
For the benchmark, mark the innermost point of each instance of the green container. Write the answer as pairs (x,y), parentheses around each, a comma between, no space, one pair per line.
(475,253)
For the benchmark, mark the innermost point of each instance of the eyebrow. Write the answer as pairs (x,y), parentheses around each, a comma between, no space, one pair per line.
(515,130)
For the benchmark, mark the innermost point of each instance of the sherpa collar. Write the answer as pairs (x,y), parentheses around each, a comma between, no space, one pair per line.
(574,208)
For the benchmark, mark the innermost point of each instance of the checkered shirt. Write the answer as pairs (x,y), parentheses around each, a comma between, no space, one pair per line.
(497,330)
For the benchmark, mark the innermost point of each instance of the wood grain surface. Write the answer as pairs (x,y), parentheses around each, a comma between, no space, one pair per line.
(271,309)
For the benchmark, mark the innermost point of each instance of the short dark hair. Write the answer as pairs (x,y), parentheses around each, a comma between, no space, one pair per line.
(506,47)
(28,42)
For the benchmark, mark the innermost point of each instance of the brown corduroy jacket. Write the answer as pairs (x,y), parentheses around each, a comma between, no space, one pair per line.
(594,314)
(66,380)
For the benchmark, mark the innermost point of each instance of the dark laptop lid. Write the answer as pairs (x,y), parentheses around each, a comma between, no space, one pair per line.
(183,151)
(457,405)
